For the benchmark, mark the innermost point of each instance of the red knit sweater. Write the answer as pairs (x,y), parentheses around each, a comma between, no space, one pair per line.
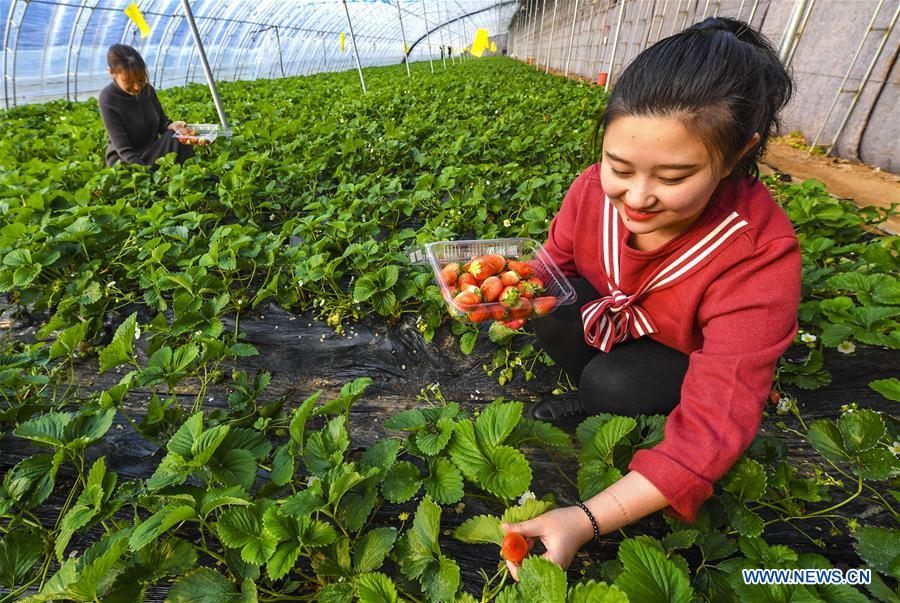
(734,318)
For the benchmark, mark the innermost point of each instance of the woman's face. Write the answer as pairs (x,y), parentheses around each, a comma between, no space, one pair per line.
(130,81)
(657,175)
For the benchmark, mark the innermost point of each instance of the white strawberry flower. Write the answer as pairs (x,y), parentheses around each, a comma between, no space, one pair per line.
(785,403)
(895,448)
(137,332)
(808,338)
(846,347)
(529,495)
(507,223)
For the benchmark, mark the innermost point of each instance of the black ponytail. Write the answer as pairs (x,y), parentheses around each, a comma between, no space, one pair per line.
(720,78)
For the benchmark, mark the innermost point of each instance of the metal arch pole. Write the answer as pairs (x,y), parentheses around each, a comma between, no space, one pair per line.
(280,57)
(740,9)
(752,12)
(451,40)
(796,42)
(44,61)
(403,35)
(612,60)
(80,46)
(428,36)
(571,38)
(209,76)
(9,20)
(441,33)
(662,21)
(846,76)
(217,64)
(362,78)
(705,9)
(15,56)
(591,28)
(169,33)
(675,19)
(790,32)
(552,31)
(865,77)
(646,41)
(531,47)
(537,60)
(601,48)
(75,26)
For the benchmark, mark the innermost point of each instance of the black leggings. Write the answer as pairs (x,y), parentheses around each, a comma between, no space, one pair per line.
(637,377)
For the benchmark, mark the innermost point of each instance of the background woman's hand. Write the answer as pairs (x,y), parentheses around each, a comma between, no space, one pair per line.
(562,531)
(177,125)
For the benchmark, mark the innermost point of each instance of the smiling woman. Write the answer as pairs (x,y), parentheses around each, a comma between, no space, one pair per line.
(137,126)
(687,272)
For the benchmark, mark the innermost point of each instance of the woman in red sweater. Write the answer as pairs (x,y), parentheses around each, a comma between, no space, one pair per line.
(687,273)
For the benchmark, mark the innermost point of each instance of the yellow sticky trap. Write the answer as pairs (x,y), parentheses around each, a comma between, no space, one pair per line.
(493,47)
(481,42)
(406,49)
(342,41)
(134,13)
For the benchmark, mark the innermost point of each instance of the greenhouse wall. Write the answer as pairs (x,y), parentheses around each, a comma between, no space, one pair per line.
(541,32)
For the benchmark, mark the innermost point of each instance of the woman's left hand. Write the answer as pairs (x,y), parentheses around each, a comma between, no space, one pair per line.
(177,125)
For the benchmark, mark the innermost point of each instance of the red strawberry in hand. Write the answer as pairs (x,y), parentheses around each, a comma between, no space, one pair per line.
(526,290)
(514,547)
(491,288)
(543,305)
(499,311)
(537,283)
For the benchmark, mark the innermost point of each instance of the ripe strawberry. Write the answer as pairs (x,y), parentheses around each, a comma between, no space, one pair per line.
(450,273)
(514,547)
(514,324)
(526,289)
(521,309)
(509,296)
(465,267)
(466,279)
(543,305)
(538,284)
(509,278)
(774,396)
(479,314)
(524,270)
(465,300)
(473,289)
(486,265)
(491,288)
(499,311)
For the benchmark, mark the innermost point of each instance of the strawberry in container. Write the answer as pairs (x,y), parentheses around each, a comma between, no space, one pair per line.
(506,280)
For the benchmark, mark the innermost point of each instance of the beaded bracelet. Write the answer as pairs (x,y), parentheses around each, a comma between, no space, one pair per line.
(590,515)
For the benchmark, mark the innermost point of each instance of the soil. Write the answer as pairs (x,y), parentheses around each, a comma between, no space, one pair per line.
(864,184)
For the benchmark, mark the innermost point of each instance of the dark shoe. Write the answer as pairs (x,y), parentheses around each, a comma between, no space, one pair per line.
(566,407)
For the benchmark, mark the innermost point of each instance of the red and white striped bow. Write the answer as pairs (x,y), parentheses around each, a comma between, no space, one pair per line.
(617,316)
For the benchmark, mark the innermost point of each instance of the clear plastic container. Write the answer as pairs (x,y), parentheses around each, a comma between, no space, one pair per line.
(204,134)
(439,254)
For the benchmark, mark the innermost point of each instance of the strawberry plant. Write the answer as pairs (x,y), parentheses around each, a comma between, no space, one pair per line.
(146,277)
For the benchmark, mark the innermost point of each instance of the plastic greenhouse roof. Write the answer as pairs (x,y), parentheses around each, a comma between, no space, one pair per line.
(57,48)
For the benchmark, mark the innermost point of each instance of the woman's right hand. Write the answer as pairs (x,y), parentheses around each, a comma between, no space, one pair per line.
(562,531)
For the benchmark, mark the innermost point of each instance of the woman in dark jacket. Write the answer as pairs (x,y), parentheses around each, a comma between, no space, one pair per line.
(138,129)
